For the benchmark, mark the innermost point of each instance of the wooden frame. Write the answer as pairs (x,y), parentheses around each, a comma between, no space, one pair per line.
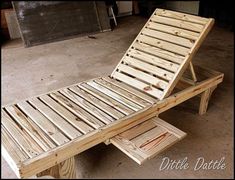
(42,134)
(59,154)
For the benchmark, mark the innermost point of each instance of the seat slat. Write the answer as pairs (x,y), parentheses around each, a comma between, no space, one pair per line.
(61,124)
(154,60)
(11,148)
(51,130)
(130,89)
(96,102)
(115,96)
(164,45)
(66,114)
(178,23)
(31,128)
(123,93)
(30,147)
(168,37)
(138,84)
(174,30)
(113,103)
(77,110)
(102,116)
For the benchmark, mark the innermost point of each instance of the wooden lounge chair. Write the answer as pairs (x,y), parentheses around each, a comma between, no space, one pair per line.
(42,134)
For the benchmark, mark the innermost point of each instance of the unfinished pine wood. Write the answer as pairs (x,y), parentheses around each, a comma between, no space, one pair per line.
(103,97)
(166,44)
(174,31)
(167,55)
(12,148)
(64,170)
(192,72)
(96,102)
(126,94)
(84,115)
(27,143)
(132,99)
(182,16)
(170,66)
(161,73)
(168,37)
(204,102)
(60,123)
(66,114)
(61,153)
(138,84)
(178,23)
(51,130)
(31,128)
(145,77)
(147,139)
(102,116)
(130,89)
(115,96)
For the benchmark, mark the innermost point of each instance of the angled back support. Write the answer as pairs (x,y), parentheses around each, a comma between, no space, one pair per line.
(161,52)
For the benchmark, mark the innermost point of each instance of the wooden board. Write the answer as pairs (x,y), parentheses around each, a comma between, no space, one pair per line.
(147,139)
(162,51)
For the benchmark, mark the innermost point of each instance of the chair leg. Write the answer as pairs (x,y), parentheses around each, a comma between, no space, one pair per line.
(205,97)
(64,170)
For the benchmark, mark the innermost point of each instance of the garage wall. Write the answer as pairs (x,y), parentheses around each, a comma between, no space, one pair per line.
(46,21)
(191,7)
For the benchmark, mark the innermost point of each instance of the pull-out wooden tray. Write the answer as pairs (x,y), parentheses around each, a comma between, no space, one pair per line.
(147,139)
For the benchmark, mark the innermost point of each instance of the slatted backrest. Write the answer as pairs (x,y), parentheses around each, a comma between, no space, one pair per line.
(161,52)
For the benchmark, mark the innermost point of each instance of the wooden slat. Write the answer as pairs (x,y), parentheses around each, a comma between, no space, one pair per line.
(174,30)
(164,45)
(138,84)
(130,89)
(129,148)
(147,139)
(51,130)
(154,60)
(138,130)
(178,23)
(182,16)
(13,150)
(172,129)
(159,52)
(143,76)
(30,147)
(103,97)
(77,110)
(62,124)
(66,114)
(123,93)
(168,37)
(102,116)
(31,128)
(149,68)
(98,103)
(148,136)
(115,96)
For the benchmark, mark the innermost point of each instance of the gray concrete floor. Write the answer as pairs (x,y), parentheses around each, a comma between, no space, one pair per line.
(32,71)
